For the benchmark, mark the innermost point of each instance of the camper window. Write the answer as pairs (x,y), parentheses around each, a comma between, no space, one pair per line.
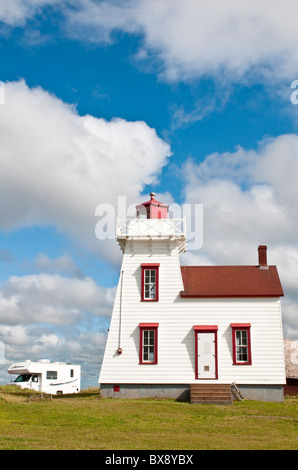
(22,378)
(52,374)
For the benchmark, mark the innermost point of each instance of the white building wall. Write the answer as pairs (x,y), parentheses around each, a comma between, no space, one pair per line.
(176,337)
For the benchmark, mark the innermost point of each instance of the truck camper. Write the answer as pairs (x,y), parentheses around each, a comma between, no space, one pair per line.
(46,377)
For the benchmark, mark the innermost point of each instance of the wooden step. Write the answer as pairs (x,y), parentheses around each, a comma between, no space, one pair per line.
(210,393)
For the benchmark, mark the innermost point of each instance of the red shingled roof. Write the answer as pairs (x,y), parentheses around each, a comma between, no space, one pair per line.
(230,281)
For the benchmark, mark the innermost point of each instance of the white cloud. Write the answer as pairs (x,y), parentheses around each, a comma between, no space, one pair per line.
(17,12)
(56,167)
(16,335)
(50,340)
(194,38)
(52,299)
(230,40)
(98,21)
(231,37)
(63,264)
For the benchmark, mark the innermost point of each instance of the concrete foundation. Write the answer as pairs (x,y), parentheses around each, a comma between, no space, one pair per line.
(262,392)
(177,391)
(181,392)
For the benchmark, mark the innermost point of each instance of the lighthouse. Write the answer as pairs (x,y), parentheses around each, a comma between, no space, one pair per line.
(149,281)
(190,332)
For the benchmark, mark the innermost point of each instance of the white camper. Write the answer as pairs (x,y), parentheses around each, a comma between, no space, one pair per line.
(47,377)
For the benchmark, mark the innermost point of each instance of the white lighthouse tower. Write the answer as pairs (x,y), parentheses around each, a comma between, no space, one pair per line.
(150,279)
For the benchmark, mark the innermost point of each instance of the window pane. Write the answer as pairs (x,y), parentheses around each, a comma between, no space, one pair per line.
(152,291)
(145,338)
(238,337)
(244,338)
(241,338)
(151,353)
(242,354)
(147,291)
(150,284)
(51,374)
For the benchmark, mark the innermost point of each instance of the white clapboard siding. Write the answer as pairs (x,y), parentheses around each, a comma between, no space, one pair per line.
(176,317)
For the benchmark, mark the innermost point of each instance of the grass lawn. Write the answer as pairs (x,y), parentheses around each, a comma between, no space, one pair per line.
(86,421)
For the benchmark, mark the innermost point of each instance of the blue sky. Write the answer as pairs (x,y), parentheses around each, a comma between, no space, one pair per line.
(108,98)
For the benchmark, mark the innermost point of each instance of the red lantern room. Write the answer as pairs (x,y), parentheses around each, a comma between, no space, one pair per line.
(152,209)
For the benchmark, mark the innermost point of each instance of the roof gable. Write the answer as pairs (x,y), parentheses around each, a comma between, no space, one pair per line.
(230,281)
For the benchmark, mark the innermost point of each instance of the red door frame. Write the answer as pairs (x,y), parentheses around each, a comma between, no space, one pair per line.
(205,329)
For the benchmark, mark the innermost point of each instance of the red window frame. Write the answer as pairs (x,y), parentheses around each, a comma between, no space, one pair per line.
(151,267)
(148,327)
(241,327)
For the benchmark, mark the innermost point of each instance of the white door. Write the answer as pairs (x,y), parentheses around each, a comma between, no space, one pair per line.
(35,383)
(206,355)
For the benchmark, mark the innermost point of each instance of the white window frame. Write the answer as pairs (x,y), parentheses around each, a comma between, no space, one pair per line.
(150,285)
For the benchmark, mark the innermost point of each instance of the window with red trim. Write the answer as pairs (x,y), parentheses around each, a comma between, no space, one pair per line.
(150,282)
(148,343)
(241,343)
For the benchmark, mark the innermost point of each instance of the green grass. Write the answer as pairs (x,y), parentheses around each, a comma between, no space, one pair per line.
(86,421)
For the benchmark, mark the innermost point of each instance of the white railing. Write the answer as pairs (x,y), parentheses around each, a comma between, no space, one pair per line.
(151,228)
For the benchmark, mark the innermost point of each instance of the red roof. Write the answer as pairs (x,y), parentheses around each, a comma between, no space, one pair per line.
(230,281)
(152,202)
